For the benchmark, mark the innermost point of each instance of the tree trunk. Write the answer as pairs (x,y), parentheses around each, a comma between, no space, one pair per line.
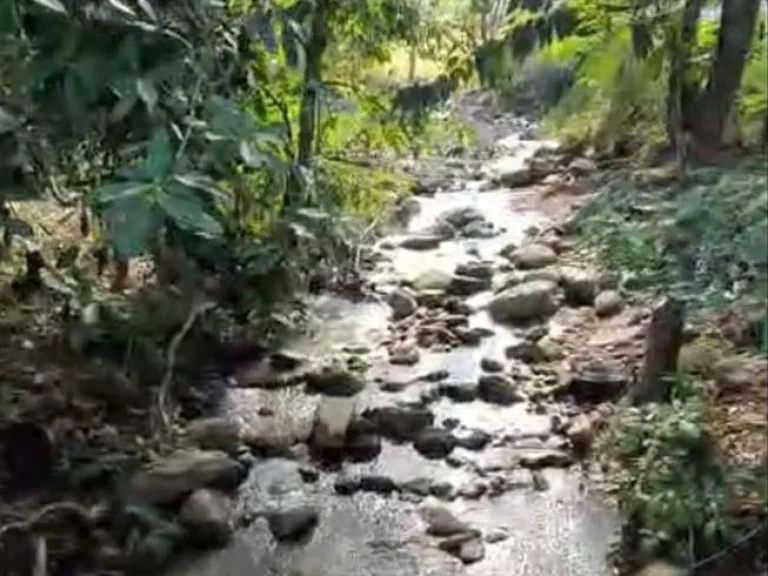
(662,347)
(316,45)
(680,46)
(737,27)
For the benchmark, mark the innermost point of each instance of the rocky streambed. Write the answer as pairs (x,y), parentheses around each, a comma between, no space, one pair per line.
(438,427)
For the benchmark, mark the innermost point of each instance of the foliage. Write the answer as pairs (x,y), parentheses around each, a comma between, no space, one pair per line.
(706,240)
(674,490)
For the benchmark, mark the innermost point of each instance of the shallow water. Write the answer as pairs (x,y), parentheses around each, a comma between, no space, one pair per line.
(563,531)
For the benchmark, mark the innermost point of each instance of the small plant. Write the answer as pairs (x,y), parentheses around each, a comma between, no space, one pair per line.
(674,492)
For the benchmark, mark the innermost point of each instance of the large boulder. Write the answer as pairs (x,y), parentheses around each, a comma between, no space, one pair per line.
(434,443)
(533,256)
(580,285)
(468,285)
(524,302)
(206,515)
(184,471)
(292,523)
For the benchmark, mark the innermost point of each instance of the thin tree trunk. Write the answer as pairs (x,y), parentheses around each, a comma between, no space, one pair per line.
(316,45)
(412,64)
(737,27)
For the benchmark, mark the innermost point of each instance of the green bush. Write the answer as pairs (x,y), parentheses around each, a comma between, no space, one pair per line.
(674,492)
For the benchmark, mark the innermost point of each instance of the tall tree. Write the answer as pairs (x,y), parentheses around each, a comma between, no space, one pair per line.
(737,27)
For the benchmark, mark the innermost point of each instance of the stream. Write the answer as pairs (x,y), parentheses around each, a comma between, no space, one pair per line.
(556,527)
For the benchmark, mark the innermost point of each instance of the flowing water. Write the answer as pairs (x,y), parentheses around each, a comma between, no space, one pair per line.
(562,531)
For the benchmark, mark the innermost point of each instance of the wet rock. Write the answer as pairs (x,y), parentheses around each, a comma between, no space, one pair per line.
(474,440)
(608,303)
(580,432)
(432,280)
(472,336)
(331,423)
(217,433)
(403,303)
(346,485)
(286,361)
(435,376)
(498,389)
(399,422)
(459,218)
(309,474)
(525,351)
(533,256)
(479,229)
(459,390)
(540,483)
(468,285)
(492,365)
(582,167)
(422,242)
(497,535)
(442,490)
(434,443)
(441,522)
(206,515)
(550,349)
(524,302)
(293,523)
(418,486)
(473,491)
(183,472)
(545,458)
(334,379)
(406,354)
(597,380)
(471,551)
(517,178)
(377,483)
(363,447)
(475,270)
(580,285)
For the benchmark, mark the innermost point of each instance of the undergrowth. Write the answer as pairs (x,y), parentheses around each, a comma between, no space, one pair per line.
(676,495)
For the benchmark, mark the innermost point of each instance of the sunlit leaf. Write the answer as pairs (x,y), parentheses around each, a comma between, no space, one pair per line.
(54,5)
(147,91)
(118,191)
(129,222)
(146,6)
(8,122)
(122,7)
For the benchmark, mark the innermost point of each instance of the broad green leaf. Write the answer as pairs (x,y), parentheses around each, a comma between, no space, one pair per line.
(187,211)
(252,157)
(54,5)
(119,191)
(130,222)
(160,156)
(200,182)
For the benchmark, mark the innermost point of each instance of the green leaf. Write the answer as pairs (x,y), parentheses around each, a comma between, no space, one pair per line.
(130,222)
(147,91)
(118,191)
(146,6)
(54,5)
(120,7)
(122,108)
(8,122)
(200,182)
(160,156)
(187,211)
